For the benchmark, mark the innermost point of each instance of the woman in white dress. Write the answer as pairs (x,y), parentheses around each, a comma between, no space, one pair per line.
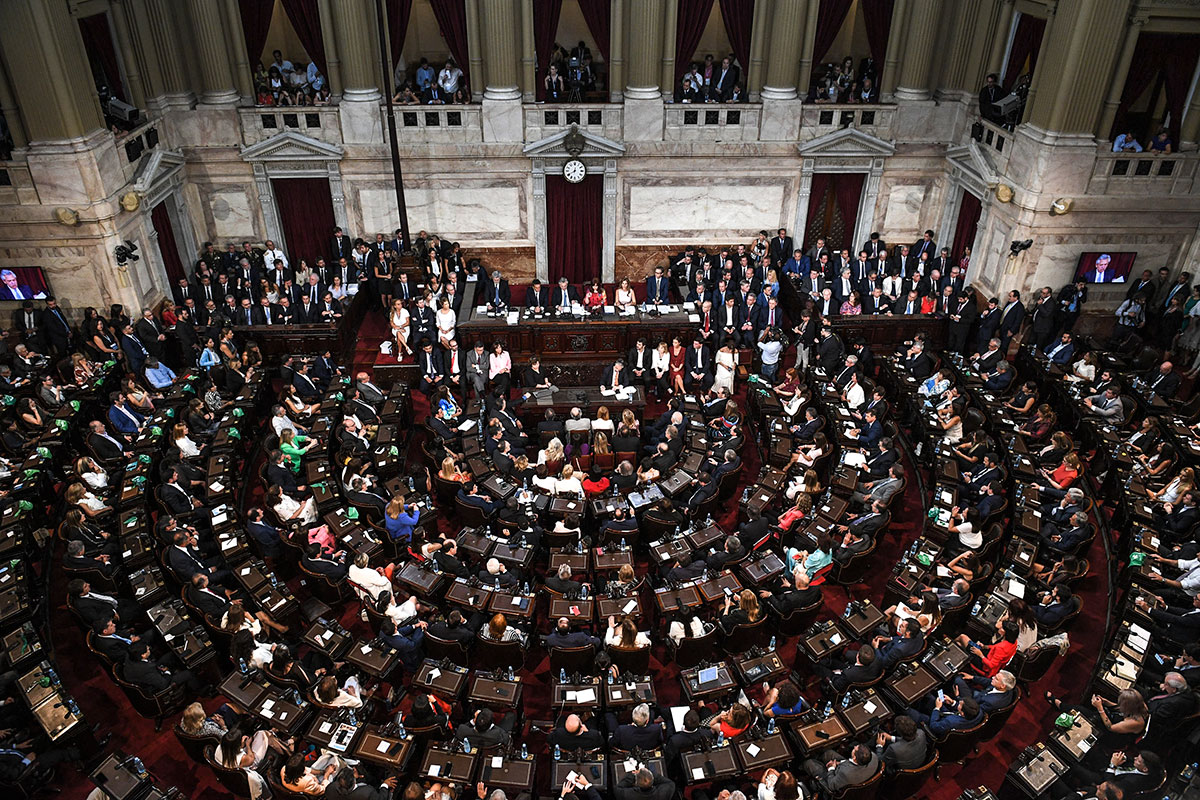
(187,447)
(726,365)
(950,420)
(400,322)
(446,319)
(288,509)
(625,298)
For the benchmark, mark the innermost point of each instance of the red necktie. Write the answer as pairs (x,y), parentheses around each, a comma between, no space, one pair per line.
(706,322)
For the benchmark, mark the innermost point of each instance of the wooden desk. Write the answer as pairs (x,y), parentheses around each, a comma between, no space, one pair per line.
(489,691)
(596,773)
(566,695)
(328,732)
(575,610)
(866,712)
(440,762)
(694,690)
(769,751)
(863,619)
(630,606)
(715,590)
(372,660)
(755,669)
(474,598)
(710,765)
(578,562)
(669,600)
(762,568)
(628,694)
(907,689)
(512,774)
(512,605)
(386,750)
(819,736)
(330,640)
(827,641)
(444,680)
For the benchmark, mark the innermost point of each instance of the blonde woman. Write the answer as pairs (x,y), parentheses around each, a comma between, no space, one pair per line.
(179,437)
(451,472)
(625,297)
(602,421)
(726,361)
(553,456)
(400,323)
(1184,482)
(600,445)
(630,420)
(196,722)
(625,635)
(92,506)
(568,483)
(91,473)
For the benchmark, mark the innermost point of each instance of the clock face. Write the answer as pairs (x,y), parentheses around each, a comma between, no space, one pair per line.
(574,170)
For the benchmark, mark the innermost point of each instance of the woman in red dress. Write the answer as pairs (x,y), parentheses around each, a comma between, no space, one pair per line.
(596,297)
(678,353)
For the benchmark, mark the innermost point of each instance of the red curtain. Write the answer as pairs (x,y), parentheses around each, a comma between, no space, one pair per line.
(738,16)
(877,16)
(968,223)
(1027,41)
(305,17)
(306,215)
(829,21)
(452,22)
(847,189)
(574,231)
(596,13)
(168,248)
(256,21)
(545,28)
(98,43)
(1170,57)
(816,205)
(693,16)
(398,13)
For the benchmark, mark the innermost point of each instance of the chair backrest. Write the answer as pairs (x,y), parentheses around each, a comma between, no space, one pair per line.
(499,654)
(631,660)
(90,638)
(322,587)
(235,780)
(907,782)
(997,719)
(958,744)
(1065,622)
(469,515)
(437,649)
(194,745)
(800,618)
(867,790)
(581,660)
(745,636)
(729,482)
(445,489)
(855,567)
(692,650)
(1035,663)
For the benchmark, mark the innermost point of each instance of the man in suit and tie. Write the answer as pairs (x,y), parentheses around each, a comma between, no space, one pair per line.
(780,247)
(537,297)
(698,367)
(105,446)
(564,296)
(614,375)
(28,322)
(498,295)
(432,368)
(1107,405)
(340,245)
(658,287)
(991,694)
(306,387)
(924,246)
(1011,319)
(1163,381)
(478,369)
(724,79)
(883,489)
(1060,353)
(835,774)
(752,322)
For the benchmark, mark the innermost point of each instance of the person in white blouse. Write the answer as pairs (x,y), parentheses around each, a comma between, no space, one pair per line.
(625,635)
(288,509)
(500,368)
(92,473)
(568,484)
(602,421)
(244,647)
(363,577)
(445,319)
(400,323)
(449,77)
(348,696)
(282,422)
(853,394)
(625,298)
(179,436)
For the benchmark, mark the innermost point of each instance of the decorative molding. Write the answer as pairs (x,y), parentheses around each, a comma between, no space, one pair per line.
(158,174)
(847,143)
(293,155)
(292,146)
(594,145)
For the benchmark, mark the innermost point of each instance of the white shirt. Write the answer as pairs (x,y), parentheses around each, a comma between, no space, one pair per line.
(1190,579)
(855,396)
(187,447)
(281,424)
(369,580)
(270,256)
(570,485)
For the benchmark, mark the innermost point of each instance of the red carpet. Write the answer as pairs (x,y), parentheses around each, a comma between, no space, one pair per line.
(103,703)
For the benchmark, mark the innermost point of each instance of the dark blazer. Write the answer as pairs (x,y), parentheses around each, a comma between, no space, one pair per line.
(628,737)
(146,675)
(490,291)
(606,380)
(690,359)
(658,289)
(538,299)
(661,789)
(557,295)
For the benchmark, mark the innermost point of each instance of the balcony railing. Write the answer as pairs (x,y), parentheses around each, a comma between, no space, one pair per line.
(260,123)
(457,124)
(727,122)
(1136,173)
(819,119)
(546,119)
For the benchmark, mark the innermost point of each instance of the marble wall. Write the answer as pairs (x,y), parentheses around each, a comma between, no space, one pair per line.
(466,212)
(720,207)
(517,264)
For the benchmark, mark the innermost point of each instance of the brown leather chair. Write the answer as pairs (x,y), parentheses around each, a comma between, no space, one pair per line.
(908,782)
(692,650)
(499,654)
(575,660)
(631,660)
(867,790)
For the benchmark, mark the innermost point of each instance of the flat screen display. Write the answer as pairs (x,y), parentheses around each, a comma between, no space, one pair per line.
(23,283)
(1108,267)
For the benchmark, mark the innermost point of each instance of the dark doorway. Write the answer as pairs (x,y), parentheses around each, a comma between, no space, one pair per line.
(168,245)
(306,216)
(574,227)
(833,209)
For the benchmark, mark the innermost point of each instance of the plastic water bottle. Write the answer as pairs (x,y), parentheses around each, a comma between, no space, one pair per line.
(745,495)
(524,751)
(583,592)
(410,483)
(579,545)
(845,701)
(526,588)
(624,546)
(467,746)
(562,675)
(497,584)
(720,738)
(242,668)
(771,644)
(975,609)
(771,725)
(557,753)
(353,718)
(400,731)
(139,766)
(828,708)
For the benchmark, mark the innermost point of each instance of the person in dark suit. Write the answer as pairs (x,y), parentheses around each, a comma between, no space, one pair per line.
(781,247)
(186,560)
(641,733)
(791,592)
(1053,606)
(482,731)
(905,646)
(496,292)
(691,734)
(992,693)
(347,784)
(432,368)
(470,494)
(152,676)
(573,734)
(106,447)
(724,79)
(844,670)
(453,628)
(1163,381)
(698,367)
(28,323)
(1011,319)
(537,297)
(93,607)
(644,785)
(658,287)
(340,245)
(614,375)
(907,747)
(948,715)
(562,636)
(1174,704)
(266,535)
(331,565)
(564,296)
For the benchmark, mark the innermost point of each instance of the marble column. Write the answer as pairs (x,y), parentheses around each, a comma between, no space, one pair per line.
(537,215)
(1000,35)
(1189,132)
(145,50)
(960,67)
(787,26)
(801,224)
(758,33)
(867,202)
(235,41)
(475,50)
(1116,86)
(12,114)
(919,44)
(502,64)
(528,56)
(670,24)
(643,96)
(357,42)
(810,34)
(129,56)
(333,62)
(1074,68)
(890,78)
(43,55)
(616,51)
(608,249)
(164,19)
(209,34)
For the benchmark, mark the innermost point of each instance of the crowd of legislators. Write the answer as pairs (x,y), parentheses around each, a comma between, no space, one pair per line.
(818,379)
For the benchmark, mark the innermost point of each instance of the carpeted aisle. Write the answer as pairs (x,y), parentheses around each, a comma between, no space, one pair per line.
(103,703)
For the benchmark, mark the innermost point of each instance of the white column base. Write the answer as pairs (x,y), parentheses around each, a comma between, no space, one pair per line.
(779,93)
(780,120)
(904,94)
(362,122)
(644,118)
(502,118)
